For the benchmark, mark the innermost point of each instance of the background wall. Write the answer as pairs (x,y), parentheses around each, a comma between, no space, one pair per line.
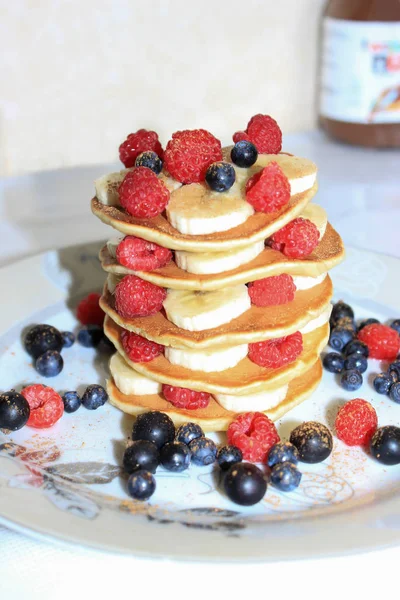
(78,76)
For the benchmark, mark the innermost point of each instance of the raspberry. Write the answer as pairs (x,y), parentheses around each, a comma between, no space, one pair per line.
(272,291)
(189,154)
(139,142)
(264,132)
(269,189)
(46,405)
(142,194)
(254,434)
(138,348)
(383,342)
(277,352)
(184,398)
(297,239)
(135,297)
(140,255)
(356,422)
(89,312)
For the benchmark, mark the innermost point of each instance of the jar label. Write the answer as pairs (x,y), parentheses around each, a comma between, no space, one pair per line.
(360,79)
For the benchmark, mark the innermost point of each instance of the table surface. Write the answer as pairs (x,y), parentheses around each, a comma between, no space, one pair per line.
(360,190)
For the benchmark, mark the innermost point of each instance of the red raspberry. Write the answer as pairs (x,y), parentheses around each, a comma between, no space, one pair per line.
(264,132)
(46,405)
(139,142)
(297,239)
(184,398)
(89,312)
(272,291)
(383,342)
(189,154)
(138,348)
(356,422)
(135,297)
(254,433)
(142,194)
(140,255)
(269,189)
(277,352)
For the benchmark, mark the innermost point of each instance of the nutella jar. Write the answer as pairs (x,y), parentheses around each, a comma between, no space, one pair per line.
(360,73)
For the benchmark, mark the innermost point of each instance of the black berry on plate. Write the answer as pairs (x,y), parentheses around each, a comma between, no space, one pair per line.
(367,322)
(41,338)
(340,310)
(14,410)
(94,396)
(188,432)
(90,336)
(351,380)
(283,452)
(385,445)
(71,401)
(333,362)
(356,347)
(394,371)
(220,176)
(244,154)
(228,456)
(155,427)
(347,323)
(313,441)
(394,393)
(285,476)
(356,361)
(339,337)
(68,338)
(175,456)
(49,364)
(141,485)
(149,159)
(396,325)
(245,484)
(382,383)
(204,451)
(141,454)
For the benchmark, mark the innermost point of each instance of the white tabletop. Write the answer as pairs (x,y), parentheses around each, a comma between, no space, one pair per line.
(360,189)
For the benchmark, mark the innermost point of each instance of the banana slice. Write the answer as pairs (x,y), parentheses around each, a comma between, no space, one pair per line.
(208,263)
(112,281)
(112,245)
(305,283)
(318,216)
(130,382)
(258,402)
(207,361)
(107,186)
(318,322)
(196,311)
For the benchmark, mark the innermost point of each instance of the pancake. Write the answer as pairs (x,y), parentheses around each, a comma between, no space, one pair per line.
(215,417)
(328,254)
(245,378)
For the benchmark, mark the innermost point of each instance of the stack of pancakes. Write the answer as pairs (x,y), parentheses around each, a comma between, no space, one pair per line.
(245,385)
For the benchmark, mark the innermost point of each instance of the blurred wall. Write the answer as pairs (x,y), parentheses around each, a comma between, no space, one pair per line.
(77,76)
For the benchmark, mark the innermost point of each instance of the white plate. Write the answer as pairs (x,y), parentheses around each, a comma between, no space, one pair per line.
(65,482)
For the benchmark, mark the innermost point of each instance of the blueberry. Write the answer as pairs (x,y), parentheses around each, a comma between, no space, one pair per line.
(94,396)
(285,476)
(382,383)
(339,337)
(394,393)
(68,339)
(313,441)
(188,432)
(394,371)
(155,427)
(141,485)
(228,456)
(351,380)
(71,401)
(175,456)
(396,325)
(385,445)
(356,361)
(14,410)
(346,323)
(356,347)
(283,452)
(141,454)
(220,176)
(204,451)
(244,154)
(245,484)
(340,310)
(90,336)
(151,160)
(367,322)
(105,345)
(333,362)
(49,364)
(41,338)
